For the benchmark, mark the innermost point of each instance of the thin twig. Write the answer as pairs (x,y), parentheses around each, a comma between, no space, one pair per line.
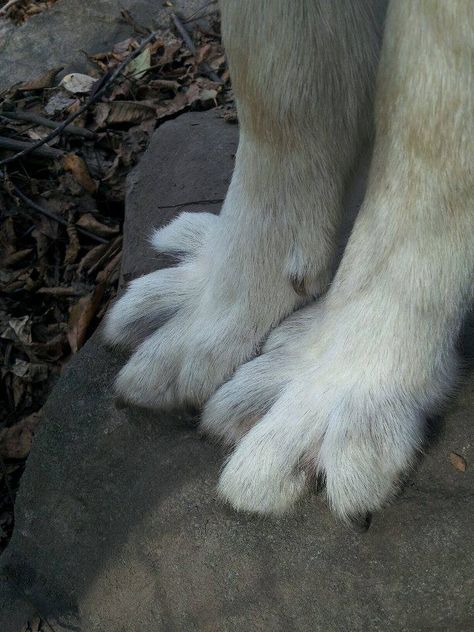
(129,19)
(195,13)
(60,291)
(111,251)
(190,44)
(8,5)
(104,85)
(19,115)
(46,152)
(54,217)
(193,202)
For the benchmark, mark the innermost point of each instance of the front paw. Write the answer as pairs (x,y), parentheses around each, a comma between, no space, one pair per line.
(193,324)
(320,404)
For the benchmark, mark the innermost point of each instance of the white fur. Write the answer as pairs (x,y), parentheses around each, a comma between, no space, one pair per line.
(343,386)
(347,384)
(273,246)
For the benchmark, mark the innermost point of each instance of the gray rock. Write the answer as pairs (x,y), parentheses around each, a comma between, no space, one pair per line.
(118,528)
(58,36)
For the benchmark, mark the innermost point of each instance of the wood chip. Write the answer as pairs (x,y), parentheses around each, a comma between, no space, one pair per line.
(458,461)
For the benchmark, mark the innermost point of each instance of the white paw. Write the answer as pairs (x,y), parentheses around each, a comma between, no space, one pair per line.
(319,402)
(152,299)
(193,324)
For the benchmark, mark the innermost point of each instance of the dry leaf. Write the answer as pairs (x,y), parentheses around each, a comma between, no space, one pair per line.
(202,53)
(59,102)
(124,47)
(77,83)
(89,222)
(90,258)
(170,50)
(207,95)
(81,316)
(7,237)
(30,371)
(45,81)
(113,265)
(138,67)
(458,461)
(73,247)
(180,102)
(129,112)
(15,257)
(22,329)
(74,164)
(15,442)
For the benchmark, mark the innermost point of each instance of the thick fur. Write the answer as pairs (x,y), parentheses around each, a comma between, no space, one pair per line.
(274,244)
(343,386)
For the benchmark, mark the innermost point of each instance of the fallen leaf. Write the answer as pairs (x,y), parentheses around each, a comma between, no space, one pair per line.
(180,102)
(30,371)
(129,112)
(165,84)
(124,47)
(81,316)
(7,237)
(73,247)
(101,112)
(90,258)
(74,164)
(207,95)
(458,461)
(15,257)
(113,265)
(202,53)
(22,328)
(170,50)
(59,102)
(138,67)
(89,222)
(45,81)
(77,83)
(111,250)
(15,441)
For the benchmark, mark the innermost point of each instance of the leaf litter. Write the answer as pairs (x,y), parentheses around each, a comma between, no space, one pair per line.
(61,212)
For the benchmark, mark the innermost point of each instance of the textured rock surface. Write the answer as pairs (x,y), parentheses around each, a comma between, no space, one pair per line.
(118,528)
(58,36)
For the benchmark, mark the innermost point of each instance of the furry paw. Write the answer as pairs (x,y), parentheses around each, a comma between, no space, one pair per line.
(193,324)
(319,402)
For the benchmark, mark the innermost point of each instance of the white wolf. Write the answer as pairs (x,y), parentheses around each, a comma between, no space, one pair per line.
(306,364)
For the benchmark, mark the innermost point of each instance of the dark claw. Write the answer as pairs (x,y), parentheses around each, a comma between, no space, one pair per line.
(299,286)
(320,482)
(361,523)
(120,403)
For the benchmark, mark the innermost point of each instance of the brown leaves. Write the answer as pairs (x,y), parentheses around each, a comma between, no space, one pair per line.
(120,112)
(56,277)
(15,441)
(44,81)
(81,316)
(78,168)
(94,226)
(458,462)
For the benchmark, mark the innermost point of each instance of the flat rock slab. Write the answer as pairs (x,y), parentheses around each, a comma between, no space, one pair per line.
(118,528)
(58,36)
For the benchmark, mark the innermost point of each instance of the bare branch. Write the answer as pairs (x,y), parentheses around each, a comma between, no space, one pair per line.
(104,84)
(20,115)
